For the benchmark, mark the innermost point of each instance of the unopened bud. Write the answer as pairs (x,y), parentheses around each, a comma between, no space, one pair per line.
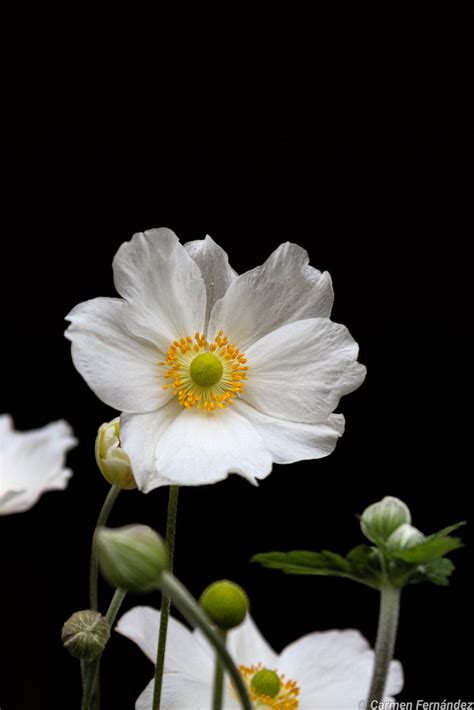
(85,634)
(404,537)
(381,519)
(225,603)
(112,460)
(132,557)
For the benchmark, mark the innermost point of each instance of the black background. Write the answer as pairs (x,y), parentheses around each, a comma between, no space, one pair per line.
(371,191)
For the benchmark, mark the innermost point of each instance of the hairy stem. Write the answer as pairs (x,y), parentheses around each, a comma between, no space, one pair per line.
(385,644)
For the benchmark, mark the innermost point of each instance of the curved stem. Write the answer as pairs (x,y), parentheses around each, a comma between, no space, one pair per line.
(165,600)
(94,568)
(191,611)
(92,666)
(385,644)
(219,676)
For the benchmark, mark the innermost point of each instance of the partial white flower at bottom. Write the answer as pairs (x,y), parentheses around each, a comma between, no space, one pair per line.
(320,671)
(32,462)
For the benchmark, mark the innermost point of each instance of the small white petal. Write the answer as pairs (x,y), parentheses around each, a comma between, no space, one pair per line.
(163,286)
(200,448)
(32,462)
(140,436)
(184,654)
(119,367)
(215,269)
(283,290)
(300,371)
(294,441)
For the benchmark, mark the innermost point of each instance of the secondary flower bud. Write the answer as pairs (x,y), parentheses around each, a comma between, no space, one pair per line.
(404,537)
(225,603)
(381,519)
(112,460)
(132,557)
(85,634)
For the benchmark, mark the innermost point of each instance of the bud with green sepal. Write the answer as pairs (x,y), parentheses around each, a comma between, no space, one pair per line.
(132,557)
(112,460)
(381,519)
(85,634)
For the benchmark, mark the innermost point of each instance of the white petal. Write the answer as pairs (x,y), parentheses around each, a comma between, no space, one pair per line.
(163,286)
(395,679)
(293,441)
(119,367)
(182,693)
(284,289)
(140,435)
(247,646)
(200,448)
(215,269)
(330,666)
(300,371)
(32,462)
(183,653)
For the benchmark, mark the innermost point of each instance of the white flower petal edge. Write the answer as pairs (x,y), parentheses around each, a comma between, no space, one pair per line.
(300,371)
(294,441)
(162,285)
(332,669)
(197,449)
(119,367)
(284,289)
(32,462)
(215,269)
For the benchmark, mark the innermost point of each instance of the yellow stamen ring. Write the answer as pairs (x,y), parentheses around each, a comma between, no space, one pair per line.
(285,699)
(205,375)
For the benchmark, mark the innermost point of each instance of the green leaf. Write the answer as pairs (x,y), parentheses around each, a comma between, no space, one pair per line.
(446,531)
(429,550)
(438,572)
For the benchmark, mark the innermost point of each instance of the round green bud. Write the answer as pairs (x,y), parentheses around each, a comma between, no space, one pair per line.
(381,519)
(225,603)
(266,682)
(206,370)
(404,537)
(112,460)
(131,558)
(85,634)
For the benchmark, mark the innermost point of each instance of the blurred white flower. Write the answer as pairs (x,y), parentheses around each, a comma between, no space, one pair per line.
(191,337)
(320,671)
(32,462)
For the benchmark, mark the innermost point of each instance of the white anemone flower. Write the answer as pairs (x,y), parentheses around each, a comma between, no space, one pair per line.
(215,373)
(32,462)
(320,671)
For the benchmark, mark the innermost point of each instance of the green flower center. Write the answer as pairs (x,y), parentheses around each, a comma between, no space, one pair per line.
(266,682)
(206,370)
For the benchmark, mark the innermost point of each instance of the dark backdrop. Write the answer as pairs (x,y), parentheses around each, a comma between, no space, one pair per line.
(372,196)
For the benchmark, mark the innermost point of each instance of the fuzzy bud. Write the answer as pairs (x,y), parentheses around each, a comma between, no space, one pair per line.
(112,460)
(225,603)
(381,519)
(132,557)
(85,634)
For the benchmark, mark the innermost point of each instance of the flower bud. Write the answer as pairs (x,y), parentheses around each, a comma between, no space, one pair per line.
(404,537)
(225,603)
(85,634)
(381,519)
(112,460)
(132,557)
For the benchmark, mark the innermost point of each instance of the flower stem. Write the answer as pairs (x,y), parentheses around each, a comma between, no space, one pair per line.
(92,666)
(165,600)
(219,676)
(385,644)
(191,611)
(94,567)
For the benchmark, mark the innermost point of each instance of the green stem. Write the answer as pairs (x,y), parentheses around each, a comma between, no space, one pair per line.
(94,567)
(92,666)
(191,611)
(165,600)
(385,644)
(219,676)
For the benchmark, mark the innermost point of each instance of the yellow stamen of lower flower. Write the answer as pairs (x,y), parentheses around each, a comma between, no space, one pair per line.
(208,376)
(285,699)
